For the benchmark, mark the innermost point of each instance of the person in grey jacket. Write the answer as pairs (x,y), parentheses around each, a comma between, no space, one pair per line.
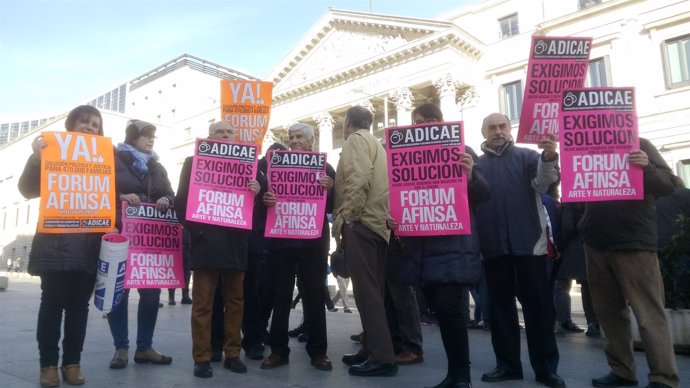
(513,239)
(623,273)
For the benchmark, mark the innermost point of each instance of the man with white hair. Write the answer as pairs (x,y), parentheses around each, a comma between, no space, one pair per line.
(307,258)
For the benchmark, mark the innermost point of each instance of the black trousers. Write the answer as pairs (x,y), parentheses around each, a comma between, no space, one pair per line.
(251,323)
(69,292)
(452,313)
(527,278)
(309,264)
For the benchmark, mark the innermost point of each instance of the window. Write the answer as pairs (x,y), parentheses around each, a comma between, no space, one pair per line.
(684,171)
(14,131)
(4,133)
(677,62)
(509,26)
(587,3)
(512,99)
(597,75)
(25,127)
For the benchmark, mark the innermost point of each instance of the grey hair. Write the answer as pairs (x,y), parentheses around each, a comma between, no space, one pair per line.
(305,128)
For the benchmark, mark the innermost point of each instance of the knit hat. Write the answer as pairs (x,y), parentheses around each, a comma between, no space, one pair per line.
(136,128)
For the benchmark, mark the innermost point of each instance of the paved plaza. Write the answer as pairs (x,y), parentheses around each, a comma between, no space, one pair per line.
(581,358)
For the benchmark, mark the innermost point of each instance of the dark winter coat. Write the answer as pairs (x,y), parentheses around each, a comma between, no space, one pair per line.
(573,263)
(629,225)
(211,246)
(52,252)
(446,259)
(512,222)
(150,187)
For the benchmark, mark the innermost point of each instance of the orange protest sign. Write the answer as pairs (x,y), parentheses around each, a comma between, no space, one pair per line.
(77,183)
(247,106)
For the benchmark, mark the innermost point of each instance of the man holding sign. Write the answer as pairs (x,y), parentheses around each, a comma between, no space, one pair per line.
(306,258)
(513,240)
(216,252)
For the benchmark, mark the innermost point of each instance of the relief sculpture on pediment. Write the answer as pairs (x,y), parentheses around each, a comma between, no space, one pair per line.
(340,50)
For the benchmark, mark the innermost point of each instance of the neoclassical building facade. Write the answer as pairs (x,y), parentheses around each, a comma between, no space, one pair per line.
(471,62)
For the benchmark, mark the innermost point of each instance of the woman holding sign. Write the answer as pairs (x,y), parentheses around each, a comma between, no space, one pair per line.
(66,264)
(139,178)
(444,265)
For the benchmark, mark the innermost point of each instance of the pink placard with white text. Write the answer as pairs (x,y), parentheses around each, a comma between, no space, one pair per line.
(428,186)
(599,129)
(555,64)
(300,207)
(218,186)
(154,259)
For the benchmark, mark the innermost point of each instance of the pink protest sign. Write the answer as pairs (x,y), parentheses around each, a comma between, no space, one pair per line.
(599,129)
(154,259)
(300,200)
(555,64)
(428,187)
(218,186)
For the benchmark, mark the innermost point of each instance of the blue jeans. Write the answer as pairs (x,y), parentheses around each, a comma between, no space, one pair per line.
(146,319)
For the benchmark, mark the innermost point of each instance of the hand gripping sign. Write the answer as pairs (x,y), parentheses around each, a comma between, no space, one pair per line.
(599,129)
(218,192)
(300,199)
(77,183)
(428,186)
(555,64)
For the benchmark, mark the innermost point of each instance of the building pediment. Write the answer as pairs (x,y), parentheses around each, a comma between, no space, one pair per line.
(344,44)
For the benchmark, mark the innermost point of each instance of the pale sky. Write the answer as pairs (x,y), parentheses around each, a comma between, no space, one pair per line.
(57,54)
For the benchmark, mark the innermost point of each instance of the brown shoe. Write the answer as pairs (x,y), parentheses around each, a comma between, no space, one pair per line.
(71,374)
(322,363)
(274,360)
(49,377)
(408,358)
(151,356)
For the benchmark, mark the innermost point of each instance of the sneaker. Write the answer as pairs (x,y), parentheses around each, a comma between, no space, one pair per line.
(151,356)
(119,360)
(235,365)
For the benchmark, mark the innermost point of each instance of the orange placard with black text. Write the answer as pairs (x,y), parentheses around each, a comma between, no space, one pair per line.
(246,104)
(77,183)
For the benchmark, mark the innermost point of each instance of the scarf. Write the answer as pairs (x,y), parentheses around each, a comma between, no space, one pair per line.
(141,159)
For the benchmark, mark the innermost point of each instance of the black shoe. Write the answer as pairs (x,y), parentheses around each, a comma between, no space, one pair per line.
(203,370)
(356,337)
(217,356)
(235,365)
(499,374)
(611,380)
(593,330)
(254,353)
(451,383)
(658,385)
(171,302)
(333,310)
(354,359)
(551,380)
(571,327)
(186,299)
(296,331)
(370,369)
(302,337)
(160,305)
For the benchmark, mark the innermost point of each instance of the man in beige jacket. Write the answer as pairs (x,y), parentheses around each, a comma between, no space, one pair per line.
(361,209)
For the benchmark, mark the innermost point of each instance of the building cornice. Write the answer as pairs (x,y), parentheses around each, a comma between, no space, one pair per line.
(583,14)
(452,37)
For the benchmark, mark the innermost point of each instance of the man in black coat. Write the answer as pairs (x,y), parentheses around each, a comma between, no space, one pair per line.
(623,273)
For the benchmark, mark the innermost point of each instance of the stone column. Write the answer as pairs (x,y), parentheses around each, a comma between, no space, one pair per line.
(325,122)
(403,98)
(446,87)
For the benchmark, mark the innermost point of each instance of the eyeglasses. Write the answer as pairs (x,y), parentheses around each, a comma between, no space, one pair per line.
(221,131)
(149,137)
